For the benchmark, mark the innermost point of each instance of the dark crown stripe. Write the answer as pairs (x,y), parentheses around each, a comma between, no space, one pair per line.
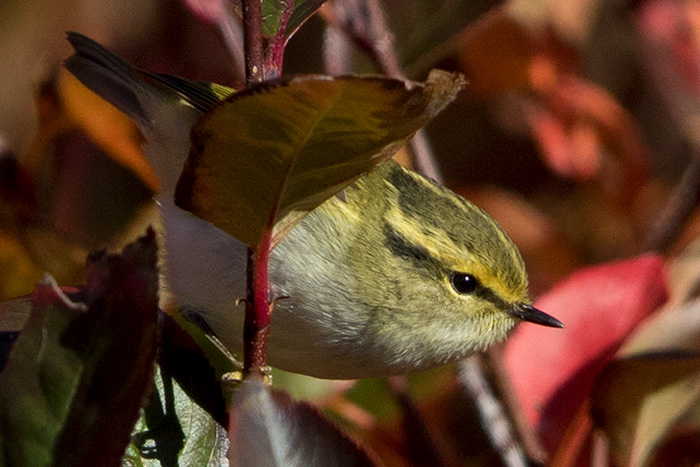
(401,247)
(420,257)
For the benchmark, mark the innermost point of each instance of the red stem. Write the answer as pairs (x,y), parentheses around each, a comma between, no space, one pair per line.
(273,63)
(256,329)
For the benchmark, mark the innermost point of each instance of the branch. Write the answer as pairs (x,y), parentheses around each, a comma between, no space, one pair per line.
(365,23)
(680,205)
(256,327)
(258,310)
(253,41)
(231,33)
(515,414)
(497,426)
(373,36)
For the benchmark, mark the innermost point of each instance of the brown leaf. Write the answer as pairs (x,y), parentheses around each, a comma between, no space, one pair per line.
(117,342)
(265,157)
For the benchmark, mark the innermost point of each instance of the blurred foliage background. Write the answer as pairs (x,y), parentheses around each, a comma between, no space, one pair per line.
(578,133)
(577,123)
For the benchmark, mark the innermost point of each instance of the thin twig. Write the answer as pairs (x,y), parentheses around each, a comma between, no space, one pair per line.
(253,41)
(680,205)
(382,40)
(256,328)
(373,37)
(497,425)
(336,51)
(232,35)
(600,450)
(341,15)
(385,51)
(258,309)
(423,157)
(531,443)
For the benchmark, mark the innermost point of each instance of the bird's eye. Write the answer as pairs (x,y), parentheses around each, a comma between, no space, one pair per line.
(463,283)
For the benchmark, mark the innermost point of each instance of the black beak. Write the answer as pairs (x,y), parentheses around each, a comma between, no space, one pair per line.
(533,315)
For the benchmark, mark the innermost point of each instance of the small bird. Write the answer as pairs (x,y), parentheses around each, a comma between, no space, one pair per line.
(397,275)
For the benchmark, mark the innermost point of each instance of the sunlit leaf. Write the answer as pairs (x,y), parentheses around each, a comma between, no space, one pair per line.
(269,428)
(109,128)
(637,400)
(268,155)
(683,273)
(198,362)
(89,184)
(174,430)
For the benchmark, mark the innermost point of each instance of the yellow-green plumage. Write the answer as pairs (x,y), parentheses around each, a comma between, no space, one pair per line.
(377,268)
(398,276)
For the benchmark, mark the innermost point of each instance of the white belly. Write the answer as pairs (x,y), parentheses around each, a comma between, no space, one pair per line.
(205,271)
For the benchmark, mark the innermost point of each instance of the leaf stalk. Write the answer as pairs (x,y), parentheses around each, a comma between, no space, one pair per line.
(275,54)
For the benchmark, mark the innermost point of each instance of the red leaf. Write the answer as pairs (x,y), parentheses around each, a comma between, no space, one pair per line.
(553,372)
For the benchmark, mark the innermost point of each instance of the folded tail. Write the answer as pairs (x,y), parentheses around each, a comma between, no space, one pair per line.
(109,76)
(117,81)
(164,107)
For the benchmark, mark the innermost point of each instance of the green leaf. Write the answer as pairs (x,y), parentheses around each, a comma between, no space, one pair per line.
(269,428)
(265,157)
(77,375)
(174,430)
(426,31)
(198,362)
(274,10)
(39,380)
